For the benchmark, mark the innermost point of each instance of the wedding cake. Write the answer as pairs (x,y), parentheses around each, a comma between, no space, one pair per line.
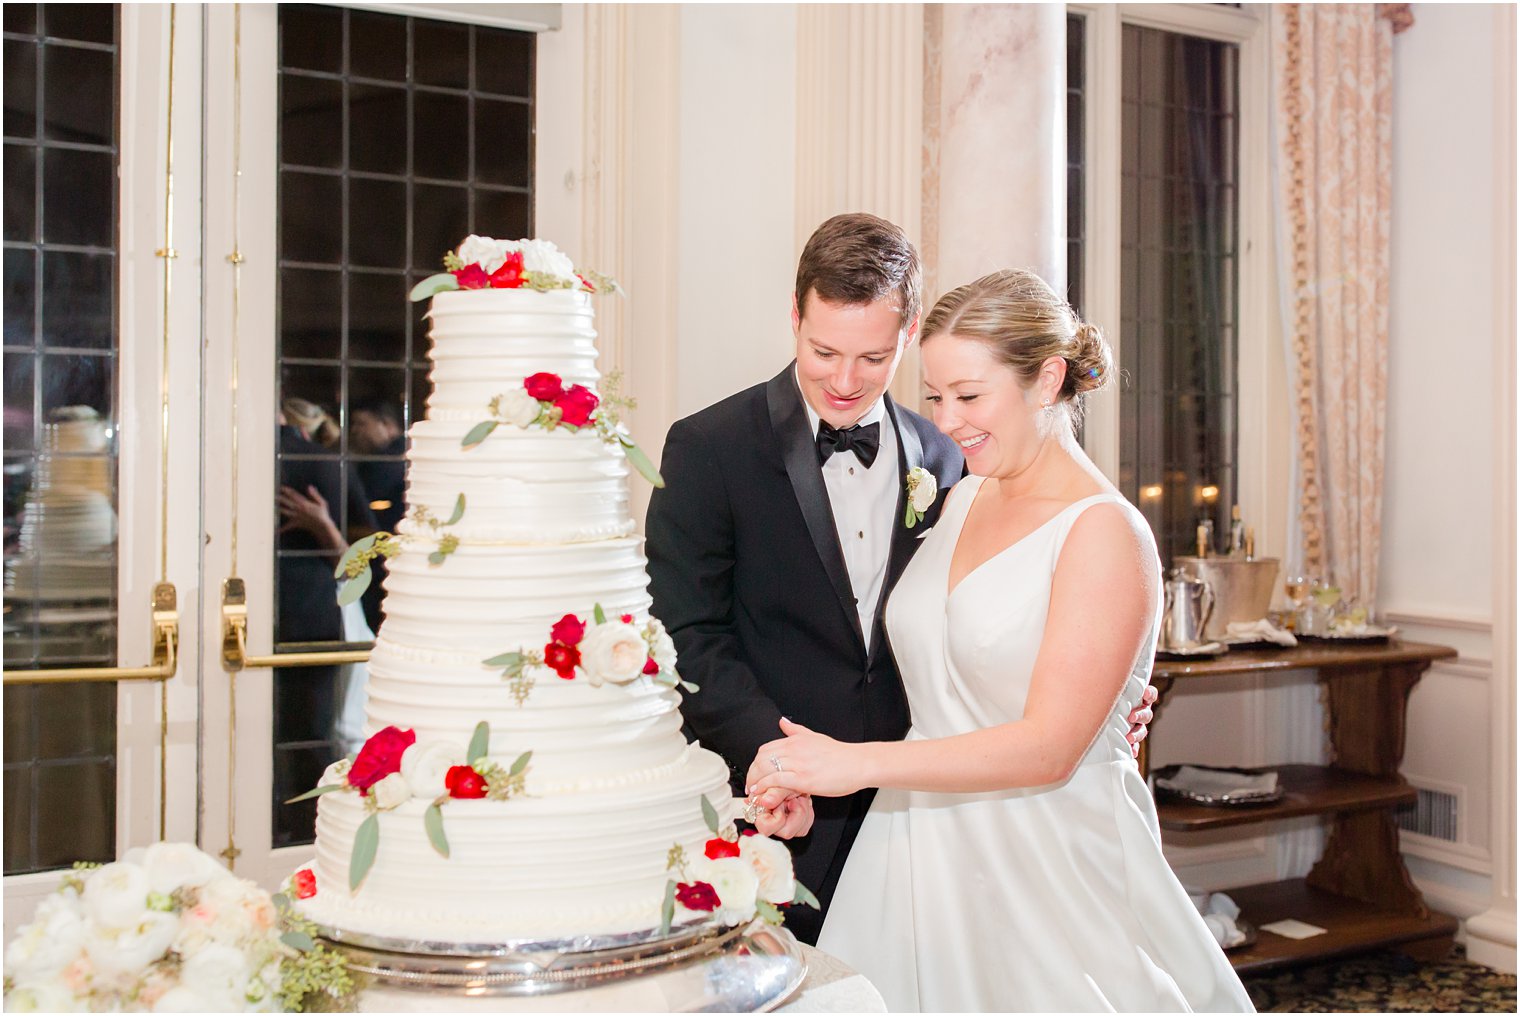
(525,777)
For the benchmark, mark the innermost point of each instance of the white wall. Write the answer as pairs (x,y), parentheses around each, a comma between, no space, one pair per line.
(1449,272)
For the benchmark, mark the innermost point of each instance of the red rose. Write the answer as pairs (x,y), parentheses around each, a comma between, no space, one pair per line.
(651,667)
(463,781)
(747,832)
(562,659)
(472,277)
(587,285)
(509,275)
(305,884)
(380,756)
(719,847)
(544,387)
(626,619)
(697,896)
(575,405)
(568,630)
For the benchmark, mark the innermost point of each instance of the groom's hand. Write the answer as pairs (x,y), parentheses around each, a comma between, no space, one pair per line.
(792,817)
(1140,719)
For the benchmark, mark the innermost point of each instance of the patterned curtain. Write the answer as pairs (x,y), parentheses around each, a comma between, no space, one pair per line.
(1332,70)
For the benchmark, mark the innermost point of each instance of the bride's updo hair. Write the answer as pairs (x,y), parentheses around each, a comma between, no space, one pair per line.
(1021,319)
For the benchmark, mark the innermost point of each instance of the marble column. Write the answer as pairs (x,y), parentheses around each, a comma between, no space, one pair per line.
(995,146)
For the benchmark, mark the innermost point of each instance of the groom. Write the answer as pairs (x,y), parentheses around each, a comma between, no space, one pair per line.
(781,530)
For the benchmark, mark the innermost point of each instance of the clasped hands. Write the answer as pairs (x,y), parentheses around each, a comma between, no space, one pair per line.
(786,773)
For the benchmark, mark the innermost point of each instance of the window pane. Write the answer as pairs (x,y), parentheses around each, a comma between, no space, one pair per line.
(60,433)
(353,240)
(1178,215)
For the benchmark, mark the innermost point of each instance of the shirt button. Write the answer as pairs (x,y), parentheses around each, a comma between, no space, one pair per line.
(861,534)
(852,470)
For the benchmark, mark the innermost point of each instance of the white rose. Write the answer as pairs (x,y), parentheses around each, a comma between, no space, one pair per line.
(337,772)
(543,258)
(41,996)
(229,910)
(613,652)
(115,895)
(129,950)
(772,865)
(924,489)
(424,767)
(663,649)
(518,407)
(51,942)
(218,974)
(735,883)
(484,251)
(171,865)
(391,792)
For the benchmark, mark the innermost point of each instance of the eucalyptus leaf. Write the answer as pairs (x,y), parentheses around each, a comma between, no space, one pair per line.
(318,791)
(668,908)
(598,614)
(280,901)
(504,660)
(351,590)
(458,511)
(477,434)
(479,742)
(354,550)
(520,765)
(437,557)
(768,912)
(710,815)
(298,940)
(366,845)
(802,894)
(432,821)
(640,461)
(443,282)
(689,688)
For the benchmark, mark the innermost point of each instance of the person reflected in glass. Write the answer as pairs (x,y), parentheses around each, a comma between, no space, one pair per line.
(374,428)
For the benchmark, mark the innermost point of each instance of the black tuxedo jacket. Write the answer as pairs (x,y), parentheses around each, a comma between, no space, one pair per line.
(748,576)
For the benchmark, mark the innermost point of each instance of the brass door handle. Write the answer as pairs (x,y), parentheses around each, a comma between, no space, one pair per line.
(165,652)
(235,639)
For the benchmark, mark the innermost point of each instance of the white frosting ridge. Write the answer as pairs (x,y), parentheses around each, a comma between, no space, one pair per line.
(520,486)
(486,341)
(527,867)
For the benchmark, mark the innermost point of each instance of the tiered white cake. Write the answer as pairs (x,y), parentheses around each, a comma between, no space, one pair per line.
(585,848)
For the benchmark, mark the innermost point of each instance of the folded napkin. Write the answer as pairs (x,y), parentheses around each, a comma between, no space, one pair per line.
(1220,914)
(1258,631)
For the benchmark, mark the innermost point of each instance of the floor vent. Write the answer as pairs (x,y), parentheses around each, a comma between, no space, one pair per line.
(1433,814)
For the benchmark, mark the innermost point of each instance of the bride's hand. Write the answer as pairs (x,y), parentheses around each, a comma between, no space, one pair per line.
(806,763)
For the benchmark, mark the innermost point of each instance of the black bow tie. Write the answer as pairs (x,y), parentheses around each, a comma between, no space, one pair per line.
(864,441)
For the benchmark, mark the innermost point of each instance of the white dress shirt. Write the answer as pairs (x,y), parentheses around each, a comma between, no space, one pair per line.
(864,504)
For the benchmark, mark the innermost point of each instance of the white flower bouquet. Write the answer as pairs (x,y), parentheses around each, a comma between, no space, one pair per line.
(168,929)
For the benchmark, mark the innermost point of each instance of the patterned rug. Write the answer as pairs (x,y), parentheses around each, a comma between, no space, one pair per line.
(1386,982)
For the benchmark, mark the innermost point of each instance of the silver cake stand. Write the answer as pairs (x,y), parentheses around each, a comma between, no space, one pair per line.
(699,968)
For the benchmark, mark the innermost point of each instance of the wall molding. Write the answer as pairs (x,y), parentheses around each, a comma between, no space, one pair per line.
(1435,617)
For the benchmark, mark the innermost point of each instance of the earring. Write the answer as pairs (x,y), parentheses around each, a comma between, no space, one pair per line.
(1048,409)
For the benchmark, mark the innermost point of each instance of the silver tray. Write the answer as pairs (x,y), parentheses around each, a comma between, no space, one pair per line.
(702,969)
(1235,799)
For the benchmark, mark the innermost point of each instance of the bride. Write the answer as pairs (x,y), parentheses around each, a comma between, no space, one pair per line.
(1012,860)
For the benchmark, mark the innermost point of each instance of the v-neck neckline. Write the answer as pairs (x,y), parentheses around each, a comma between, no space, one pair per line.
(950,590)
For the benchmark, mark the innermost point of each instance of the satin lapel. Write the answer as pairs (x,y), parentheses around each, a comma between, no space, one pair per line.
(799,452)
(910,455)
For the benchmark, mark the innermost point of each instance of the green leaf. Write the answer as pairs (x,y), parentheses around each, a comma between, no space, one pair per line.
(504,660)
(432,820)
(317,791)
(458,511)
(768,912)
(597,614)
(443,282)
(802,894)
(280,901)
(668,908)
(480,741)
(638,460)
(354,588)
(710,815)
(366,845)
(910,517)
(355,549)
(437,557)
(477,434)
(520,764)
(689,688)
(299,941)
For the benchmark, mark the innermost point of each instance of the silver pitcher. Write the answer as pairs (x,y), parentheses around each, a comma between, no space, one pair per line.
(1189,602)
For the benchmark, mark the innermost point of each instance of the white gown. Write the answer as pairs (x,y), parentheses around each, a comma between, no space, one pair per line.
(1040,899)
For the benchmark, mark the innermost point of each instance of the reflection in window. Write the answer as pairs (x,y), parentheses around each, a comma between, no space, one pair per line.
(60,428)
(1076,154)
(1178,283)
(398,137)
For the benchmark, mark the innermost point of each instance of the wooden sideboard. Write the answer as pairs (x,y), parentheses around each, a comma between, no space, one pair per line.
(1359,890)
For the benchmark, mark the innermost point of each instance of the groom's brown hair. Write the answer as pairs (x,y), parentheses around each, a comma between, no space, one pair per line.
(858,258)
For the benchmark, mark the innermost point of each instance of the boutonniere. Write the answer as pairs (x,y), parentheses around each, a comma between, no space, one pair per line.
(922,489)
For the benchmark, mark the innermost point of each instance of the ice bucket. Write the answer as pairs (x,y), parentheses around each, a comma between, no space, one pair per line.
(1242,589)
